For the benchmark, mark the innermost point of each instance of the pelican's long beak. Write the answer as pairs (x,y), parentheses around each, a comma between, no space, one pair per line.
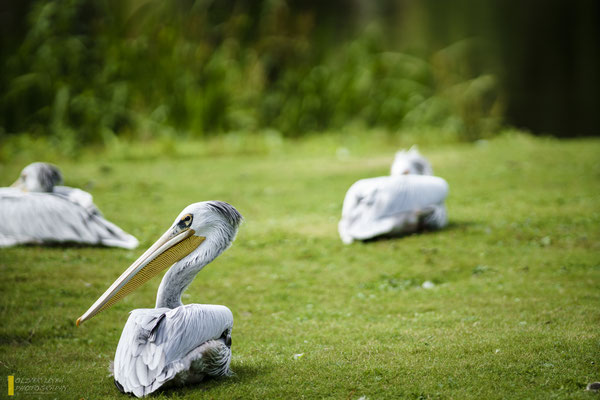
(19,184)
(172,246)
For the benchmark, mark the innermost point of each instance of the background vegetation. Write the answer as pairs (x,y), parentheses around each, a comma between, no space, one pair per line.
(77,72)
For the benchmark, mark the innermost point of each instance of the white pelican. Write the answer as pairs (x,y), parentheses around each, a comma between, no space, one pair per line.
(408,200)
(174,343)
(393,205)
(410,162)
(36,210)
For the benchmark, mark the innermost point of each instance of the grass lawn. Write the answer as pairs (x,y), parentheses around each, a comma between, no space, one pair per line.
(514,313)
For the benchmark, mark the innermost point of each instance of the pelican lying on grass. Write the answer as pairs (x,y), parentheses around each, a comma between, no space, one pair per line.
(174,343)
(36,210)
(393,205)
(405,202)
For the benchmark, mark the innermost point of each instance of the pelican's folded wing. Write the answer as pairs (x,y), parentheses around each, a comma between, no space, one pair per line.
(158,344)
(78,196)
(50,218)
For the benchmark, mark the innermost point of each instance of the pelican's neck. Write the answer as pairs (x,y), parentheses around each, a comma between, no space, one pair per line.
(183,272)
(173,284)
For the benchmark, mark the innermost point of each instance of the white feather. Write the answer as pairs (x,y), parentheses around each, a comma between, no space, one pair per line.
(164,350)
(78,196)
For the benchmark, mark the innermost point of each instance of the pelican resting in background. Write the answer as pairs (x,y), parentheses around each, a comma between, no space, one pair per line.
(174,343)
(410,162)
(35,209)
(393,205)
(405,202)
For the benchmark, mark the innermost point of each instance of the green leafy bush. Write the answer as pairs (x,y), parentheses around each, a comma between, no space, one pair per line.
(89,71)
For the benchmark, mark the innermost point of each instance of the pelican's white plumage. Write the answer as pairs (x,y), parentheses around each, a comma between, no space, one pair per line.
(408,200)
(179,346)
(175,343)
(36,210)
(393,205)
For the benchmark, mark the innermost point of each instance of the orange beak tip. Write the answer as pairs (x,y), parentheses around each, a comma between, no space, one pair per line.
(78,321)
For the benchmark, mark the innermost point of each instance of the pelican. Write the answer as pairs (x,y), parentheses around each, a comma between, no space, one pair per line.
(410,162)
(35,209)
(405,202)
(174,343)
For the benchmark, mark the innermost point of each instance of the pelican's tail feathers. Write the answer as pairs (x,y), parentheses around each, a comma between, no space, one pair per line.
(114,236)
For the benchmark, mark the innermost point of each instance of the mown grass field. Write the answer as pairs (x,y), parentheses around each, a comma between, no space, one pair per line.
(514,313)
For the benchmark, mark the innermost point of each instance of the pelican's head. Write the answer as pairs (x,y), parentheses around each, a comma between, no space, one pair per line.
(410,162)
(38,177)
(198,235)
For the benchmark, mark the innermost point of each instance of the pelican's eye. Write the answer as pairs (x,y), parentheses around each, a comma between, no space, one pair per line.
(186,221)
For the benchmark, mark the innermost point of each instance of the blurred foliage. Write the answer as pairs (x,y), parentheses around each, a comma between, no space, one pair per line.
(544,53)
(89,71)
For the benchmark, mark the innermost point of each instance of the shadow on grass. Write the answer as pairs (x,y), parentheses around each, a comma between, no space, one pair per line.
(452,226)
(242,374)
(62,245)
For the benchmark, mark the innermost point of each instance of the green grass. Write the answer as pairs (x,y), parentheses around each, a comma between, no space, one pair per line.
(514,312)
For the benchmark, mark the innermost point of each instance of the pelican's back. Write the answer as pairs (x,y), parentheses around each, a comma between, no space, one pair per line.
(47,218)
(78,196)
(182,345)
